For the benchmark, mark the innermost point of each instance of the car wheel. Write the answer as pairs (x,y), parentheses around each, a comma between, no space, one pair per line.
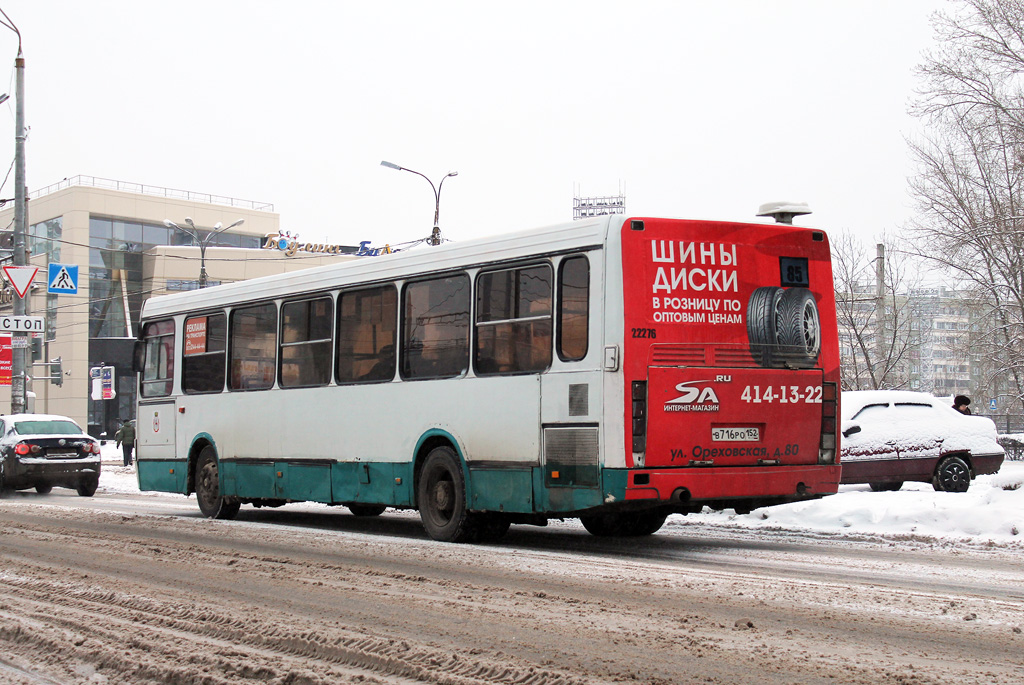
(762,324)
(87,485)
(886,487)
(952,475)
(441,498)
(44,488)
(366,509)
(799,328)
(208,488)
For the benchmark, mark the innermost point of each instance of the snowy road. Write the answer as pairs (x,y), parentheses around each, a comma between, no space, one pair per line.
(130,588)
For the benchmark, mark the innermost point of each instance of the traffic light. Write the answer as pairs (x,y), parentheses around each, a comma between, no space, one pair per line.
(56,372)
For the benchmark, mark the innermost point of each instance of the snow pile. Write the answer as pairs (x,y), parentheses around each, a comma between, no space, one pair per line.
(991,511)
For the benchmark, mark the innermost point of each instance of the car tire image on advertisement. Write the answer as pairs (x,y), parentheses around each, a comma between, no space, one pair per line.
(798,328)
(762,324)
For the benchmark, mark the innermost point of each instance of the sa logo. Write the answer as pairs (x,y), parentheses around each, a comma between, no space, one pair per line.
(691,394)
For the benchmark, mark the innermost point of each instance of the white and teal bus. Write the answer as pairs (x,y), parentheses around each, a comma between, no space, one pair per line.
(613,369)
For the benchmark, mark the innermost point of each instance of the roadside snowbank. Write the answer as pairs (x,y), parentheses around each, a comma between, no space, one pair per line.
(992,511)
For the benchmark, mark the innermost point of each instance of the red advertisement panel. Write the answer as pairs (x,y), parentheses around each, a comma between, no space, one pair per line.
(5,359)
(195,336)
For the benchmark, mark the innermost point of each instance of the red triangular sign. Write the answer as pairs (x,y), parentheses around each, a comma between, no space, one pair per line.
(21,277)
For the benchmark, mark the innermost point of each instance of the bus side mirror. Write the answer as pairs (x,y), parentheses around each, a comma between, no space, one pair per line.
(138,356)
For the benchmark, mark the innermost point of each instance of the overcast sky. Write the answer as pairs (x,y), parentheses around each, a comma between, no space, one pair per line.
(694,109)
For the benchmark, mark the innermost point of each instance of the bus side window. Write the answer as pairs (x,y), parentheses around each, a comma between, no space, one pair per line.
(435,328)
(367,327)
(306,342)
(253,347)
(573,308)
(202,364)
(157,377)
(513,321)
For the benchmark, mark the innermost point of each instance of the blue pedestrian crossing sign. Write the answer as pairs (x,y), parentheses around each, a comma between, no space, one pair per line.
(62,279)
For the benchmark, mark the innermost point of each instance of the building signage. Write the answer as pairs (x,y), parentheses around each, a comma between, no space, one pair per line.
(290,245)
(195,336)
(102,382)
(5,360)
(22,324)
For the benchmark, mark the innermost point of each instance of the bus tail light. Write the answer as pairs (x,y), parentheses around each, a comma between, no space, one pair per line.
(829,411)
(639,422)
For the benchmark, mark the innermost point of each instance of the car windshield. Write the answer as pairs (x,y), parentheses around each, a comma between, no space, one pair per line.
(46,427)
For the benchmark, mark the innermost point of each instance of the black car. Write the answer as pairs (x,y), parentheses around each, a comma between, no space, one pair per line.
(43,450)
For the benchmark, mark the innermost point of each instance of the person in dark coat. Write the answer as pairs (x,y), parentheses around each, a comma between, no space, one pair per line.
(125,439)
(961,402)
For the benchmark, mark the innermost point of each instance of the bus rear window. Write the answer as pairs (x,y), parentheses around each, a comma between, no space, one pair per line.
(573,308)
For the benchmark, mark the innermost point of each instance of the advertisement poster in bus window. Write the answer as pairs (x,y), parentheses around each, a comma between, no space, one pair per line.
(195,336)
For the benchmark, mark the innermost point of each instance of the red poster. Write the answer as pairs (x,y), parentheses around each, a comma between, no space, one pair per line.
(5,359)
(195,336)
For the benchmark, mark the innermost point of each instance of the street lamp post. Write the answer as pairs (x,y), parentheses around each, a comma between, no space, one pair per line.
(21,358)
(202,241)
(435,235)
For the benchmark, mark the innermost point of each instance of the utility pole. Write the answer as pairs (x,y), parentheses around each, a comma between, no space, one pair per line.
(19,355)
(881,361)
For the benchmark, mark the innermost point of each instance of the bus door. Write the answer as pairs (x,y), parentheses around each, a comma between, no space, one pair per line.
(700,417)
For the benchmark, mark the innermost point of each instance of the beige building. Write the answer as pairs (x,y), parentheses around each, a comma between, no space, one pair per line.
(115,233)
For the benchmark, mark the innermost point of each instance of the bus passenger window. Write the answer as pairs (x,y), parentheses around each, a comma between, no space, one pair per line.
(573,308)
(157,377)
(367,327)
(513,321)
(202,364)
(435,328)
(253,347)
(306,343)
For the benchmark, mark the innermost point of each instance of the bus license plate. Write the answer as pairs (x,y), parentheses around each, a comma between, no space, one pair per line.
(736,434)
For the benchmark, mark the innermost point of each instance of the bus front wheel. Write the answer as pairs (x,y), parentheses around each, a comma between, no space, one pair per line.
(441,497)
(208,488)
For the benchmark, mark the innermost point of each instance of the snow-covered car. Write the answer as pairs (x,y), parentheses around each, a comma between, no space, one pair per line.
(894,436)
(44,450)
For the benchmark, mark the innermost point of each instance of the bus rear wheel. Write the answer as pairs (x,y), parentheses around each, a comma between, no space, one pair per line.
(208,488)
(441,497)
(624,525)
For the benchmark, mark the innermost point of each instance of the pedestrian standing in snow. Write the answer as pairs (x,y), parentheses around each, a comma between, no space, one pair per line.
(961,402)
(125,439)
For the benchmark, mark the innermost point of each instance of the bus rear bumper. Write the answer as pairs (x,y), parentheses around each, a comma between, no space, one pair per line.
(694,487)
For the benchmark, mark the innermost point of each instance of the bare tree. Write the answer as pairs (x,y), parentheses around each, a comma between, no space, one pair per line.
(877,337)
(969,186)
